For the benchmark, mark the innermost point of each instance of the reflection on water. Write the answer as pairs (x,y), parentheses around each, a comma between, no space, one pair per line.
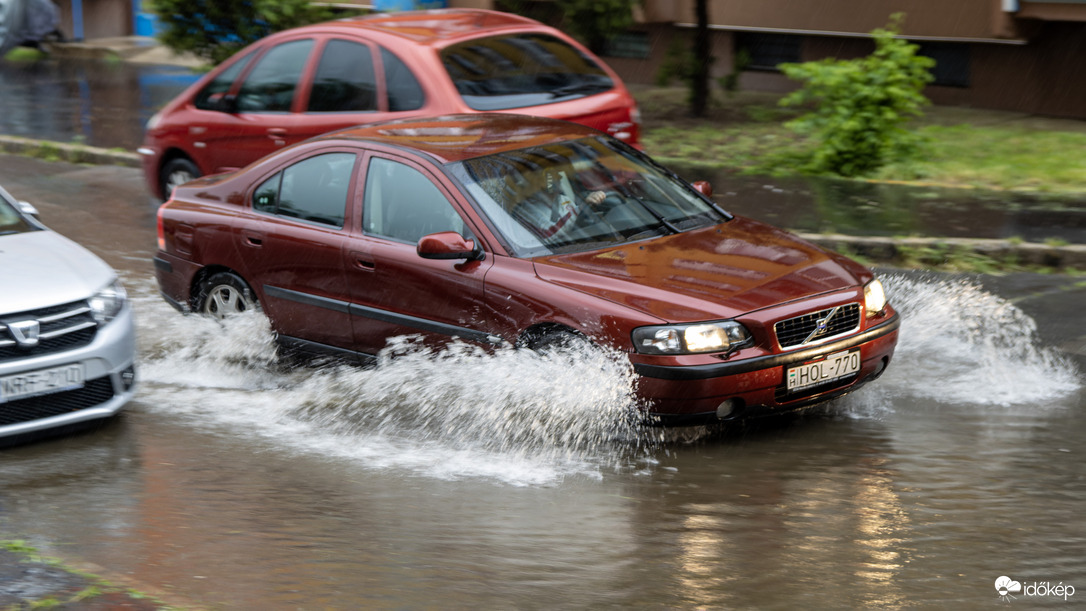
(96,103)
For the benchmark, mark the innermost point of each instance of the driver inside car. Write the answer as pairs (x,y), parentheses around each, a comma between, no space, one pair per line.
(557,203)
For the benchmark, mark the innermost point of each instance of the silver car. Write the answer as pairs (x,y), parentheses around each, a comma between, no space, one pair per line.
(67,337)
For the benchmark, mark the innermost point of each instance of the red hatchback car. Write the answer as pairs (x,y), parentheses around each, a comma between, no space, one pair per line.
(310,80)
(524,231)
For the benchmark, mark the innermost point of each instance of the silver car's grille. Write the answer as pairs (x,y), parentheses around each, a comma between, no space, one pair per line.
(94,392)
(818,326)
(60,328)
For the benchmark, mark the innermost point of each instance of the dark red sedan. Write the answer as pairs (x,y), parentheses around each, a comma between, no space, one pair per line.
(507,230)
(306,81)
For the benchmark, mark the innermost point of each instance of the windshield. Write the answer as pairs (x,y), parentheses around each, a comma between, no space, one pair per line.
(581,195)
(514,71)
(10,219)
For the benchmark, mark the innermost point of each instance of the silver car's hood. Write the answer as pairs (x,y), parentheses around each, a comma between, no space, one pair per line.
(43,268)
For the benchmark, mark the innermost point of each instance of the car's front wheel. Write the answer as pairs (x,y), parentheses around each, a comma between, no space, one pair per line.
(175,173)
(224,294)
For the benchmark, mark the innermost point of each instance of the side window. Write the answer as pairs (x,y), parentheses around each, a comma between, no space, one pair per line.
(271,85)
(404,91)
(403,204)
(266,198)
(345,80)
(221,83)
(313,190)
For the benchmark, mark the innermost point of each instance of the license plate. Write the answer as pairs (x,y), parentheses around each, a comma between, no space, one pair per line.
(41,382)
(834,367)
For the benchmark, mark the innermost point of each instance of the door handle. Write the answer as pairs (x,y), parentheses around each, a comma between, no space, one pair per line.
(253,239)
(363,261)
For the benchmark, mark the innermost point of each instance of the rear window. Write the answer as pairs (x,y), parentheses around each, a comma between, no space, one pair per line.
(514,71)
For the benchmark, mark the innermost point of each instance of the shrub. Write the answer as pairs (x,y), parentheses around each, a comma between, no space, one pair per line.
(215,30)
(861,105)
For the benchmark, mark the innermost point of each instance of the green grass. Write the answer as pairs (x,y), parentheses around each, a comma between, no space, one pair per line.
(965,147)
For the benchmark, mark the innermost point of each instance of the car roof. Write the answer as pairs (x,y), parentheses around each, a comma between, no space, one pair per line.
(453,138)
(436,27)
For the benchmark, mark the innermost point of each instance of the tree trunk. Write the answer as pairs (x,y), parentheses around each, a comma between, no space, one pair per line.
(703,60)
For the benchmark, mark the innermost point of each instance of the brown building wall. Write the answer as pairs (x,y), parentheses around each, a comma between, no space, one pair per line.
(101,18)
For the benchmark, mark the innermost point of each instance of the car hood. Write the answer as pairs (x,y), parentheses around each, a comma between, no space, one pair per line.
(713,273)
(43,268)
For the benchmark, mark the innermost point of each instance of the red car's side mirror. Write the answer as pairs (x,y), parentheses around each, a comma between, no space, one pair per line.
(223,102)
(448,245)
(704,188)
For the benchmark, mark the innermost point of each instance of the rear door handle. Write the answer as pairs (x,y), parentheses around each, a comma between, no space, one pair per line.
(253,239)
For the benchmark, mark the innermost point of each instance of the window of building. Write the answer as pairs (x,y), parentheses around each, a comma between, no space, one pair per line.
(951,62)
(635,45)
(765,50)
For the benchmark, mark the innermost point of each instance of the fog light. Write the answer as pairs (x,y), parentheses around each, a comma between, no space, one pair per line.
(727,408)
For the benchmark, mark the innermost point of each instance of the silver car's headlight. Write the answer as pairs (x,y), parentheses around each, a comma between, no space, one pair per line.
(724,336)
(107,303)
(874,298)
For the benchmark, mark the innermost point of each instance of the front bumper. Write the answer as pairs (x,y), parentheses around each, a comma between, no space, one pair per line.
(688,394)
(109,363)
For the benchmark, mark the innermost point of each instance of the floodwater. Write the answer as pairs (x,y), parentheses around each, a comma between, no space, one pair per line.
(466,480)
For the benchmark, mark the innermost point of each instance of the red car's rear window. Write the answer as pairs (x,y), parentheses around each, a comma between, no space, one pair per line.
(514,71)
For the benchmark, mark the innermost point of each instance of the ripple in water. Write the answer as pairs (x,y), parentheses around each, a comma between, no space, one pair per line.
(526,419)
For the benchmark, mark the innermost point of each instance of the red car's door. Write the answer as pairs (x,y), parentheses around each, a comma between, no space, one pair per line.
(262,120)
(296,253)
(395,292)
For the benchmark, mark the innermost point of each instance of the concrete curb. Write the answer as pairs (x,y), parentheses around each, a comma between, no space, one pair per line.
(887,250)
(72,153)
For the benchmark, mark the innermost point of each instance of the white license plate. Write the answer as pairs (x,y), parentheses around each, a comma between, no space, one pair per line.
(834,367)
(41,382)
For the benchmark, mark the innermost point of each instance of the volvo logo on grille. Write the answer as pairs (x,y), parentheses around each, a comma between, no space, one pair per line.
(821,325)
(25,332)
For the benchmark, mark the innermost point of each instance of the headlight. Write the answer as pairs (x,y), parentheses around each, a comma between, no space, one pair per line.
(874,298)
(691,339)
(107,303)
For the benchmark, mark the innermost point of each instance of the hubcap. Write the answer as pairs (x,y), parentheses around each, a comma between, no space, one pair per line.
(224,300)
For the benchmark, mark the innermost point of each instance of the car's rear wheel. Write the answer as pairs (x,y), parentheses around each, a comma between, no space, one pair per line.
(175,173)
(225,294)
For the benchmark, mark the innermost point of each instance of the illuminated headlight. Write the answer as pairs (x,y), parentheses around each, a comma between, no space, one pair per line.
(107,303)
(691,339)
(874,298)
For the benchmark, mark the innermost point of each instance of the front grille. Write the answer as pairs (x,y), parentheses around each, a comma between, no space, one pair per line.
(64,327)
(94,392)
(815,327)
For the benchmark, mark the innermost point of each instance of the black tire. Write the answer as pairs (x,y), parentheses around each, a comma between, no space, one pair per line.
(225,294)
(176,172)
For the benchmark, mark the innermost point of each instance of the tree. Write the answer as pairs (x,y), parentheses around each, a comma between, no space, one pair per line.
(596,22)
(860,106)
(702,61)
(215,29)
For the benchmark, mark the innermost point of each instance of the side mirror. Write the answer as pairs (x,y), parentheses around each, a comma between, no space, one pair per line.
(223,102)
(28,209)
(448,245)
(704,188)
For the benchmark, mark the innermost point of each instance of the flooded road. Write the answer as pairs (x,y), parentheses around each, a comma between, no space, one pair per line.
(462,480)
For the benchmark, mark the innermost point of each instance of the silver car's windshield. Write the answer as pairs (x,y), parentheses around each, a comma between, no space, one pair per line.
(581,195)
(10,219)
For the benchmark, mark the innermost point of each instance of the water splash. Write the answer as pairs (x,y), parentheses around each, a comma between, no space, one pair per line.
(960,344)
(525,419)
